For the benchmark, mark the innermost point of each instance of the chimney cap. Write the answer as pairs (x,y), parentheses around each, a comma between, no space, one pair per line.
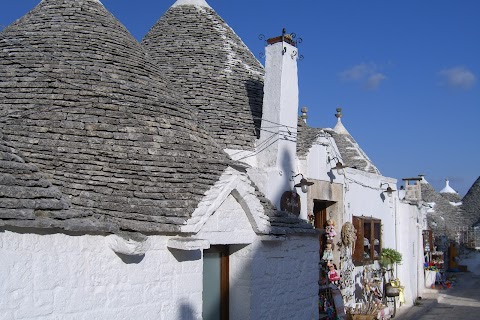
(285,37)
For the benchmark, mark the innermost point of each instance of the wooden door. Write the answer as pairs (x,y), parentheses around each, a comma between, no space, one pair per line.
(320,213)
(216,283)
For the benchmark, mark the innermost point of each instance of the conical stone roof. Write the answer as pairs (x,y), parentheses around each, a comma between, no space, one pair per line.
(212,68)
(352,155)
(445,218)
(82,102)
(471,201)
(449,193)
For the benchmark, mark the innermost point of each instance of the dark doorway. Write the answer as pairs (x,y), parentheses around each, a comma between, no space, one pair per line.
(320,214)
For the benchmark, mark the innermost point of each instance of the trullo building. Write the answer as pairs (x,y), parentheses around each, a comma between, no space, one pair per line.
(118,197)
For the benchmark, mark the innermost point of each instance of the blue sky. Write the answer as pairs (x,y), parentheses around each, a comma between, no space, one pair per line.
(405,72)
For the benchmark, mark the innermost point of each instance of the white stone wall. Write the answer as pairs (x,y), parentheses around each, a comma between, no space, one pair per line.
(410,245)
(363,196)
(228,225)
(285,276)
(58,276)
(268,279)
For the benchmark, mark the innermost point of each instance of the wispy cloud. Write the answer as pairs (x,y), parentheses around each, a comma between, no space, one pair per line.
(374,81)
(366,74)
(458,77)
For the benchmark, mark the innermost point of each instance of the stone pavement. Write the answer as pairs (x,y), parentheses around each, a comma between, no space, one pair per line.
(462,301)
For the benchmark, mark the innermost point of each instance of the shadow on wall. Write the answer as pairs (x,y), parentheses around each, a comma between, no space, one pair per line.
(254,90)
(182,255)
(331,175)
(130,259)
(187,312)
(382,196)
(286,165)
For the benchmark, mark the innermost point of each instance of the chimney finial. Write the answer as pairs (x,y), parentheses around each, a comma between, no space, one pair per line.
(304,114)
(339,113)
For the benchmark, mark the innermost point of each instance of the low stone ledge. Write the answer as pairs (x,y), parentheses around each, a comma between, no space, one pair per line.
(188,244)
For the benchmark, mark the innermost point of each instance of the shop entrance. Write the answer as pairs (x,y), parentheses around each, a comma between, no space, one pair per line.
(320,213)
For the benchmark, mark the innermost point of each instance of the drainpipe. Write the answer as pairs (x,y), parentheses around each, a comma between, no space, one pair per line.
(420,273)
(396,231)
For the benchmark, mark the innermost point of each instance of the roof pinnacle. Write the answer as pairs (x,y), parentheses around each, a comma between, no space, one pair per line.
(201,3)
(339,128)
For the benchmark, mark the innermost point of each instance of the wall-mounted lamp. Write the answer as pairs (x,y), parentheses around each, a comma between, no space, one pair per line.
(338,166)
(303,184)
(388,191)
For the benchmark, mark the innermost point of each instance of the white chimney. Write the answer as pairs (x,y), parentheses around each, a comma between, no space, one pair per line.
(277,144)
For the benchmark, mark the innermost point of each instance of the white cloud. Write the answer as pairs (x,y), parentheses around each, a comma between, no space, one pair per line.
(367,74)
(374,81)
(357,72)
(458,77)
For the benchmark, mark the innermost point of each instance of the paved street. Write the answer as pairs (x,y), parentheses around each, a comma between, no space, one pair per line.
(461,302)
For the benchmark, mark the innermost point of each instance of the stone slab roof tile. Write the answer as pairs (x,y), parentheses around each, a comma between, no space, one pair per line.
(306,136)
(452,197)
(445,216)
(23,190)
(82,102)
(352,155)
(471,201)
(213,69)
(282,222)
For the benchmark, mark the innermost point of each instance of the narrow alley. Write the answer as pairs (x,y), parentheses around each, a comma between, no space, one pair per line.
(462,301)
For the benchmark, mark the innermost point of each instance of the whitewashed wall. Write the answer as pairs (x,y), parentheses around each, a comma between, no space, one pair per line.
(58,276)
(410,245)
(363,196)
(285,276)
(269,279)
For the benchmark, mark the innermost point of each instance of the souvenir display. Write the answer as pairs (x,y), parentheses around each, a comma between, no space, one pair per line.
(347,268)
(330,229)
(333,274)
(328,253)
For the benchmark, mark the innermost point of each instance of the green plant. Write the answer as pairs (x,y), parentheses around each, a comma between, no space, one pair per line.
(390,256)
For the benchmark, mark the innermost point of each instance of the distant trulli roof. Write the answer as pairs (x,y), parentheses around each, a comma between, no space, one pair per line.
(448,193)
(471,201)
(212,68)
(351,153)
(82,102)
(447,188)
(201,3)
(445,214)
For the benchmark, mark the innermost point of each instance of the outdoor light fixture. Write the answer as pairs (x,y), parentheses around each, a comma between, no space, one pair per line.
(389,190)
(303,184)
(338,166)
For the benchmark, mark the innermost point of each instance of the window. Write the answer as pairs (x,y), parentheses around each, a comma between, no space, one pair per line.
(368,246)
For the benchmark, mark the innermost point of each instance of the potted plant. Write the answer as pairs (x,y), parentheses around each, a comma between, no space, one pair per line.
(390,257)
